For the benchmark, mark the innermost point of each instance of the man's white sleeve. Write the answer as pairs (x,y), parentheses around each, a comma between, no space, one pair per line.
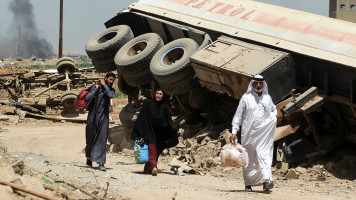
(273,107)
(237,120)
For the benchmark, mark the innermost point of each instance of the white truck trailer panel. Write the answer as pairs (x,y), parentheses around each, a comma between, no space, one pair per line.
(301,32)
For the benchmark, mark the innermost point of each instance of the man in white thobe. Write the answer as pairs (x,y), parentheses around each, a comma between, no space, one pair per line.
(256,114)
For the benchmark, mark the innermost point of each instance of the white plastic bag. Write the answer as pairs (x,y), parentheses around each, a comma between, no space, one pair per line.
(233,156)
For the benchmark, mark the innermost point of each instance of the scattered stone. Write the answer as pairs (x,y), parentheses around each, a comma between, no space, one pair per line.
(224,137)
(165,152)
(201,137)
(188,143)
(10,110)
(301,170)
(4,118)
(63,121)
(211,162)
(14,119)
(292,174)
(21,114)
(18,167)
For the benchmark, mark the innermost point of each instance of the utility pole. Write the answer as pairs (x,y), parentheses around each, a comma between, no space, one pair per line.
(19,44)
(60,46)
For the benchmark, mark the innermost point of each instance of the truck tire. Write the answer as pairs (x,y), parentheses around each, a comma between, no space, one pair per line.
(65,58)
(106,43)
(181,87)
(105,65)
(124,87)
(128,115)
(171,63)
(63,65)
(138,79)
(136,54)
(68,98)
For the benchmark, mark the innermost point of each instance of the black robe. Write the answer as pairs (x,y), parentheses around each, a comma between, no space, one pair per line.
(154,123)
(98,123)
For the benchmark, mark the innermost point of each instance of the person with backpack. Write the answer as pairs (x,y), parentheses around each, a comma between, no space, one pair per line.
(96,131)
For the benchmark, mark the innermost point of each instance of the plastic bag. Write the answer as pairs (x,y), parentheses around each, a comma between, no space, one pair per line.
(141,151)
(233,156)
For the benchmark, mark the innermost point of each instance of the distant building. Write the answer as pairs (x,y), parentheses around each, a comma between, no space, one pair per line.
(343,9)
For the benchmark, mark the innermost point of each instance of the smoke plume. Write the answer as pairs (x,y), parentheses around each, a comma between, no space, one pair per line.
(23,38)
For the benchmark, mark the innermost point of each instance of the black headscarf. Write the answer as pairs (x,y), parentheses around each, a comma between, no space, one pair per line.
(154,123)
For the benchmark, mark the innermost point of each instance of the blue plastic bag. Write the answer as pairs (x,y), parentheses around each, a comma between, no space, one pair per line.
(141,151)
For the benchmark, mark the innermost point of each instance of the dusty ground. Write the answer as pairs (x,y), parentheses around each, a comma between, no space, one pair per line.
(55,150)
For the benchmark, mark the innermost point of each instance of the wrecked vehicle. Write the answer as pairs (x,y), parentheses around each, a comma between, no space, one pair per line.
(50,91)
(204,53)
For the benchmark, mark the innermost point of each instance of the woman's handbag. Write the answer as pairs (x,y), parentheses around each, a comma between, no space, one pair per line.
(141,151)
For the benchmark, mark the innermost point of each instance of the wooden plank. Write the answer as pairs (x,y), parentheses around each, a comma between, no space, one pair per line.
(283,131)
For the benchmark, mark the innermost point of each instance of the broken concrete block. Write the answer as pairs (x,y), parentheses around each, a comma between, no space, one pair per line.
(21,114)
(301,170)
(18,167)
(188,158)
(224,137)
(201,137)
(211,162)
(165,152)
(207,139)
(10,110)
(188,143)
(4,118)
(292,174)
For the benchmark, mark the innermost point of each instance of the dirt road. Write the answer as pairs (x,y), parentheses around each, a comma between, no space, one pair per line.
(56,150)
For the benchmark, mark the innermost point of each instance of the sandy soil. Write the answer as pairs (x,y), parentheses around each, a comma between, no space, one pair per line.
(55,149)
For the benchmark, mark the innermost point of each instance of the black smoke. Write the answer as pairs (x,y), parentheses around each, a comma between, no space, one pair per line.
(23,38)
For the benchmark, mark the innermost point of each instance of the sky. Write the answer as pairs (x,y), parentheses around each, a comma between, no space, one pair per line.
(85,18)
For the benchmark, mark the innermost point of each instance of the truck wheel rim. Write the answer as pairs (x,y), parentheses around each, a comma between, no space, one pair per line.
(136,48)
(106,37)
(172,55)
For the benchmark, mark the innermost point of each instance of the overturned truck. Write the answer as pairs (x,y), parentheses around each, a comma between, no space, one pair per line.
(204,53)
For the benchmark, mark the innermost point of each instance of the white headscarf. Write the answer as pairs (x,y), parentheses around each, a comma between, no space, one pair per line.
(264,88)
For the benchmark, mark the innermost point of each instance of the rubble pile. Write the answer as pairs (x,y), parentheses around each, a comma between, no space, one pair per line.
(19,181)
(198,149)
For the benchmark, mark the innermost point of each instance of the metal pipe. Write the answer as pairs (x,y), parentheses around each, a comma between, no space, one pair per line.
(27,191)
(60,46)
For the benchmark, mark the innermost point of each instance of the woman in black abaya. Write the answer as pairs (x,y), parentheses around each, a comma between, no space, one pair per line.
(154,124)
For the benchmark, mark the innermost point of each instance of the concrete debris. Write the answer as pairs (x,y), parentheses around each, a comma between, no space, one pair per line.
(4,118)
(224,137)
(292,174)
(301,170)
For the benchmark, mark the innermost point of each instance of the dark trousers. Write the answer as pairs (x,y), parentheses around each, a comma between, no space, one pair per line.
(153,153)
